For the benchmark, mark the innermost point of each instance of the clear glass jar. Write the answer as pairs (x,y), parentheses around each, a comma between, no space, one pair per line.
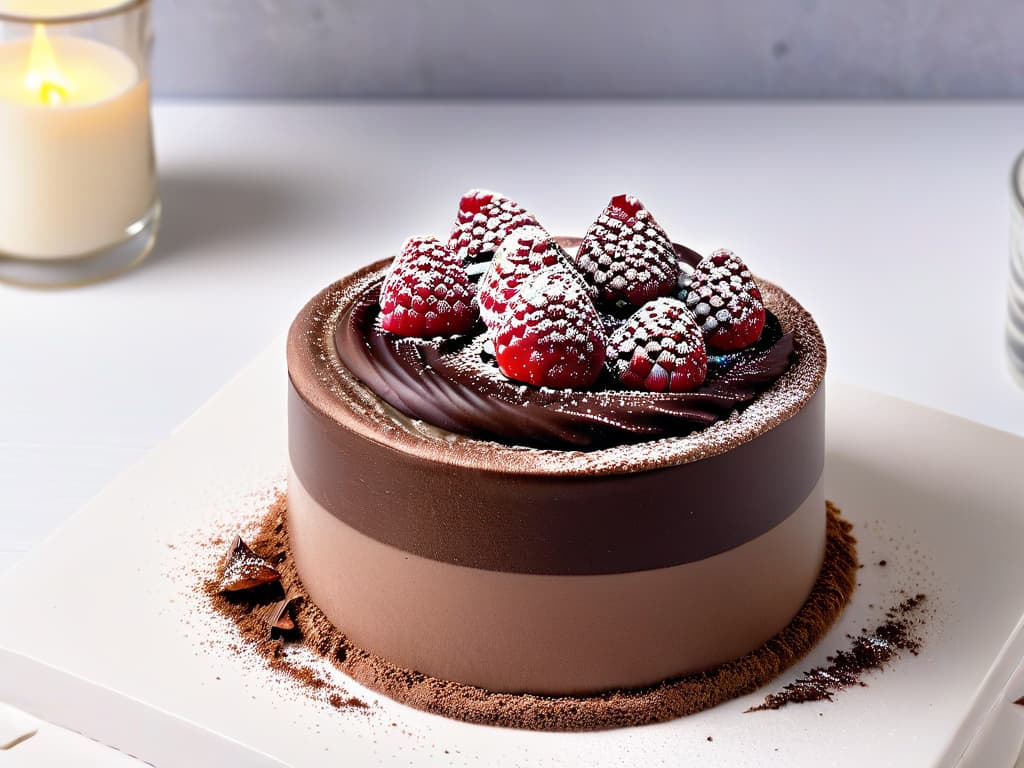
(78,189)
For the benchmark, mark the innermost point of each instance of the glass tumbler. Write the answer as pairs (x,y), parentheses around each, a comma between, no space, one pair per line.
(78,191)
(1015,317)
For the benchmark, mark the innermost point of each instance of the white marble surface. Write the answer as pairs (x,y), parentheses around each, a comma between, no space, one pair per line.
(889,222)
(602,48)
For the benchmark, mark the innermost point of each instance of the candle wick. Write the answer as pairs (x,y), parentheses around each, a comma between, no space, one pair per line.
(52,94)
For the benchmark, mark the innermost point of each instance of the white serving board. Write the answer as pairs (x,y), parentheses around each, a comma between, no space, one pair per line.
(939,498)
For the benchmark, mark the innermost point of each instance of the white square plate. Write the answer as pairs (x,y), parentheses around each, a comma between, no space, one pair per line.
(940,499)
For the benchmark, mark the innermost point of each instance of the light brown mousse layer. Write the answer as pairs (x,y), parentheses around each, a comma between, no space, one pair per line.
(555,634)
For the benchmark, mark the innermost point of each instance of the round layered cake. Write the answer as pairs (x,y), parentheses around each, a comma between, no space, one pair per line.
(523,537)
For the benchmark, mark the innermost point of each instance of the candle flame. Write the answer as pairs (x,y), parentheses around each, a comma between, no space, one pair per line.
(44,77)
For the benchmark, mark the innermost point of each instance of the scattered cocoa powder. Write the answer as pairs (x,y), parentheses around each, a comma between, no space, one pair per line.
(617,708)
(868,651)
(250,609)
(339,702)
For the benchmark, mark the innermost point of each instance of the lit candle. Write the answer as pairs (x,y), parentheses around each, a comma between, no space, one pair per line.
(77,172)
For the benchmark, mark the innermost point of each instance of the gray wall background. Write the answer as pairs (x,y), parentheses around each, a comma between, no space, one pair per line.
(570,48)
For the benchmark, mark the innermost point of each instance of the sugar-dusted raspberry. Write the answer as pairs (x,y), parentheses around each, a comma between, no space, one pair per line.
(726,301)
(524,252)
(551,334)
(483,221)
(659,348)
(427,292)
(626,255)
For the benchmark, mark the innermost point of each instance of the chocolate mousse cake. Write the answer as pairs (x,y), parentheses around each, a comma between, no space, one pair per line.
(556,466)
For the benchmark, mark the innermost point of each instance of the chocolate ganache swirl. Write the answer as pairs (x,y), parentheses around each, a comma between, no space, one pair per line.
(453,383)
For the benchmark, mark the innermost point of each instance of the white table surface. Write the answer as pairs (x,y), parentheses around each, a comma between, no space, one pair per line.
(889,222)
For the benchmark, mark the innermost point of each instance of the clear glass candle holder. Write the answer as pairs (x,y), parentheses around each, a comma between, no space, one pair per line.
(1015,316)
(78,190)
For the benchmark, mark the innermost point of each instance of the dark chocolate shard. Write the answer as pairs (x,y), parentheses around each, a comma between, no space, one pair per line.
(281,615)
(244,569)
(1019,702)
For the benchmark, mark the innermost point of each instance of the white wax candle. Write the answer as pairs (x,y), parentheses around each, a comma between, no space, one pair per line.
(76,164)
(53,9)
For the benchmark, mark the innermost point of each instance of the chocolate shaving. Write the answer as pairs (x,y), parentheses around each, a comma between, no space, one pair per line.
(1020,702)
(281,615)
(244,569)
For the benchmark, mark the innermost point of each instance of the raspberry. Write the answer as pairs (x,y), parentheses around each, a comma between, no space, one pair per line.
(551,334)
(659,348)
(726,301)
(626,255)
(483,221)
(426,291)
(524,252)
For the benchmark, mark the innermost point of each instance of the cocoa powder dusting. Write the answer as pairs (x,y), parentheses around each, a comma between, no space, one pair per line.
(617,708)
(868,651)
(256,611)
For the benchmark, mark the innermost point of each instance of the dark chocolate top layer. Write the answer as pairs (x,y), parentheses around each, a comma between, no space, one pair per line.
(453,384)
